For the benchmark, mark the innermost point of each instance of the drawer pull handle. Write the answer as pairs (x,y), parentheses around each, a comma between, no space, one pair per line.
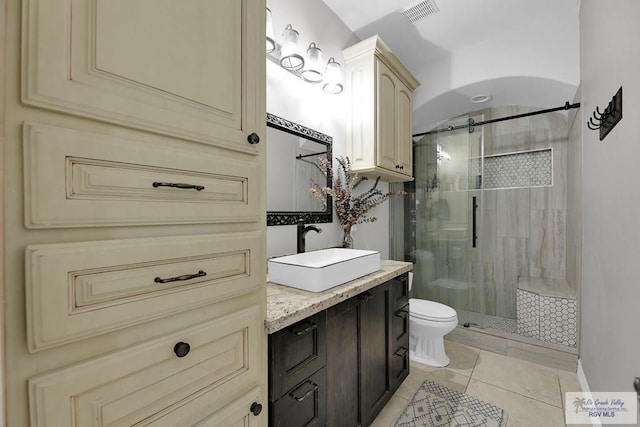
(256,408)
(180,278)
(313,388)
(181,349)
(305,331)
(402,351)
(178,185)
(402,313)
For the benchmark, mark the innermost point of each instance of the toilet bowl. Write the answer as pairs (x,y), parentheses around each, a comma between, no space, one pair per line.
(429,322)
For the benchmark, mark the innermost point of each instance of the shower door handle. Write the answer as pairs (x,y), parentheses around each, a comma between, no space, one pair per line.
(474,237)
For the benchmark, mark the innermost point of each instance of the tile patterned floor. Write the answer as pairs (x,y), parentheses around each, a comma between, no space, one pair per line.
(503,324)
(531,394)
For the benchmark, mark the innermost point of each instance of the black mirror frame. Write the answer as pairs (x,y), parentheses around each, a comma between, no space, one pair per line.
(310,217)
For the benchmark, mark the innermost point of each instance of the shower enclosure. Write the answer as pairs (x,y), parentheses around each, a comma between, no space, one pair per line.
(442,231)
(483,222)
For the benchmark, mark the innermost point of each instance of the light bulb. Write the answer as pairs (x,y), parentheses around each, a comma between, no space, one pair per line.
(291,59)
(312,72)
(333,78)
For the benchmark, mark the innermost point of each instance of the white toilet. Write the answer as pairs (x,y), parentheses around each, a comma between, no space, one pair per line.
(429,322)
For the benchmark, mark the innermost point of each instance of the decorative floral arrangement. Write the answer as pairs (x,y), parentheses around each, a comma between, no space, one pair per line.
(350,209)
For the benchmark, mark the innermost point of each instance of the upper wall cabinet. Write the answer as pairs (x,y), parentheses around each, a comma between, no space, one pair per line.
(120,62)
(379,125)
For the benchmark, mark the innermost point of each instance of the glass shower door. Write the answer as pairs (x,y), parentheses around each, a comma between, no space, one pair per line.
(441,231)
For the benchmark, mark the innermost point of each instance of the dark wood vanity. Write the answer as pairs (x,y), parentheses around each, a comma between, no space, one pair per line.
(340,366)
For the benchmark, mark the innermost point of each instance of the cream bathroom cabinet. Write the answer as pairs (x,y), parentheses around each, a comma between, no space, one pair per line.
(134,277)
(379,129)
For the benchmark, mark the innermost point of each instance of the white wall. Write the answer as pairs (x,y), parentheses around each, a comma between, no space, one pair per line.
(515,52)
(307,104)
(609,345)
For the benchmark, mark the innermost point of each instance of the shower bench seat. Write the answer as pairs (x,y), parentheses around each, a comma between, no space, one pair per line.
(546,310)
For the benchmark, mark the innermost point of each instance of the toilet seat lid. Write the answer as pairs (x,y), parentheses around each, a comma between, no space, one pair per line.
(431,310)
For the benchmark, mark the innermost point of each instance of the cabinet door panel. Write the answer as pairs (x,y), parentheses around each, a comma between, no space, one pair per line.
(343,363)
(148,382)
(386,117)
(404,141)
(375,336)
(78,290)
(121,62)
(234,414)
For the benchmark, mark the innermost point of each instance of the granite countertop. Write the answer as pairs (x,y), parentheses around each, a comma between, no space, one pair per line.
(287,305)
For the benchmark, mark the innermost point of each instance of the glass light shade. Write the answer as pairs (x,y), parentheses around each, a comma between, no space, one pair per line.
(333,78)
(271,44)
(312,72)
(291,59)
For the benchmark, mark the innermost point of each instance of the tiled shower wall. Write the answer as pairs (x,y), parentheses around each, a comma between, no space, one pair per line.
(524,228)
(515,170)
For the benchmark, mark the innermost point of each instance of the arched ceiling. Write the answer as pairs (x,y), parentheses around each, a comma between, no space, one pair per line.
(521,52)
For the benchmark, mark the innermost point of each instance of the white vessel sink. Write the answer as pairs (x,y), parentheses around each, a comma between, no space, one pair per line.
(317,271)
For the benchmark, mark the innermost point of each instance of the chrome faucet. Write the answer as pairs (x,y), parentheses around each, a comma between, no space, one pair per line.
(302,232)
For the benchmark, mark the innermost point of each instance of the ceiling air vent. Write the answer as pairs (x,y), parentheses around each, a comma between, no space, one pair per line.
(420,10)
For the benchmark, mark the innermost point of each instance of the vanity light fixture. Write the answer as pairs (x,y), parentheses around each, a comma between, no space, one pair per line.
(309,68)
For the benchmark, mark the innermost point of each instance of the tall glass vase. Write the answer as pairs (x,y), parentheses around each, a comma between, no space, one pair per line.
(347,240)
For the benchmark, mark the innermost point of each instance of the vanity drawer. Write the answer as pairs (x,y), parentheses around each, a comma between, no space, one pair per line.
(399,365)
(400,325)
(80,179)
(305,405)
(153,383)
(295,353)
(399,291)
(79,290)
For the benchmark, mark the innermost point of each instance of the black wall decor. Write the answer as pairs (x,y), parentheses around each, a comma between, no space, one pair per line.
(607,119)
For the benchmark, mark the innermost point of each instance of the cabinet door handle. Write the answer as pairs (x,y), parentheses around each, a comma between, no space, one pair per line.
(402,351)
(255,408)
(313,388)
(181,278)
(253,138)
(365,296)
(178,185)
(305,331)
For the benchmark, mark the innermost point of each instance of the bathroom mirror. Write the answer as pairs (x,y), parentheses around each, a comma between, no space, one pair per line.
(292,151)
